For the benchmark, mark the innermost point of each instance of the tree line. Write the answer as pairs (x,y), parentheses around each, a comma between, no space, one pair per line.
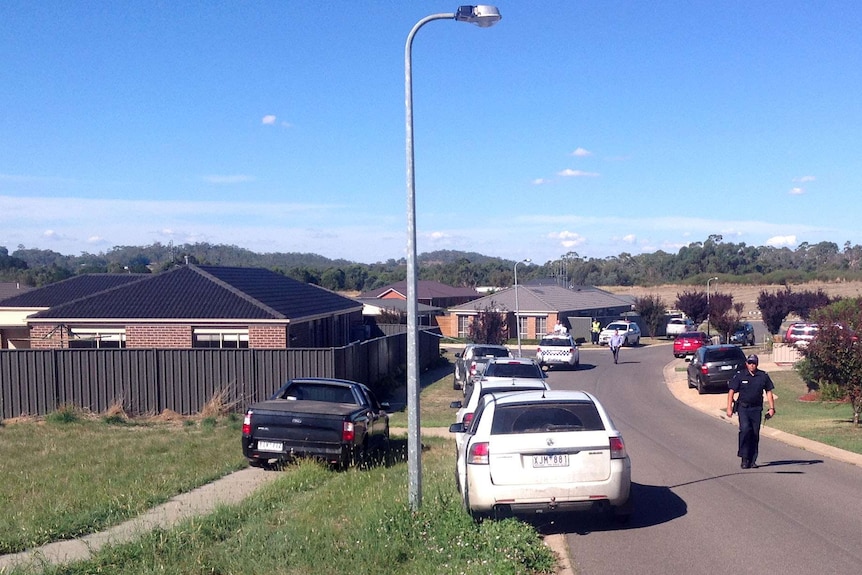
(692,264)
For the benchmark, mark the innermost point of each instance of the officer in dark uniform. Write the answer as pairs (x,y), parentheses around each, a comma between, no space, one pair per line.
(750,383)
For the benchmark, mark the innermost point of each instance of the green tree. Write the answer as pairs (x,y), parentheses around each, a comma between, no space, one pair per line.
(653,311)
(834,356)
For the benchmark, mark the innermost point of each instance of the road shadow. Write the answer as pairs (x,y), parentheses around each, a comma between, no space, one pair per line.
(754,470)
(653,505)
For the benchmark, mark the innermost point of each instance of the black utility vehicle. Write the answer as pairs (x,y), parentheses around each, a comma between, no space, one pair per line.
(334,420)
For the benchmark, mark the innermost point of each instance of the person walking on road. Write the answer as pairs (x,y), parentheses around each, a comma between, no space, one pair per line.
(750,383)
(595,329)
(615,343)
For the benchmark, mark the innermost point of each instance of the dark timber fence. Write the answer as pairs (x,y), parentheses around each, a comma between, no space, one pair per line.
(150,381)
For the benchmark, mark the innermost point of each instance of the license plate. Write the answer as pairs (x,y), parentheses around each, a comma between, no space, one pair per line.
(559,460)
(269,446)
(726,367)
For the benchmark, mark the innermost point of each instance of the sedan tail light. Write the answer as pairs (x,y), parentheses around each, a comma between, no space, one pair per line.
(478,454)
(618,448)
(347,433)
(246,424)
(704,370)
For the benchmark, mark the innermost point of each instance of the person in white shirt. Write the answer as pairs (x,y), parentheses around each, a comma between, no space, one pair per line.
(615,343)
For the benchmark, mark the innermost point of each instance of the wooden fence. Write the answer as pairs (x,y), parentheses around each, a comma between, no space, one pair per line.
(150,381)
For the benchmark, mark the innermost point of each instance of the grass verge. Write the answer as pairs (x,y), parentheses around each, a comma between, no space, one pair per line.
(826,422)
(69,475)
(316,521)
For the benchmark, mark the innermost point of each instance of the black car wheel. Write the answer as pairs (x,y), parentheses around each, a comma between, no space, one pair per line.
(701,389)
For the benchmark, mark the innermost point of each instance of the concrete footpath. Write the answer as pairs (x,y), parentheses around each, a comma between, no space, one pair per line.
(235,487)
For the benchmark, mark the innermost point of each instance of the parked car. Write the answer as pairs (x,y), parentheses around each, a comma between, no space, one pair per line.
(712,366)
(337,421)
(502,375)
(800,334)
(678,325)
(688,342)
(628,329)
(557,349)
(743,334)
(542,452)
(468,362)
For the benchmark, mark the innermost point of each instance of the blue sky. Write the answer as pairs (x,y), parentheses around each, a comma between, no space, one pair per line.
(597,127)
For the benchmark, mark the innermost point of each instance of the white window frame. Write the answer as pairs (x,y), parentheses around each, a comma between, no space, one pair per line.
(227,338)
(101,337)
(464,322)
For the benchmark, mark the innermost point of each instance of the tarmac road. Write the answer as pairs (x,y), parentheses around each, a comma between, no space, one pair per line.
(696,511)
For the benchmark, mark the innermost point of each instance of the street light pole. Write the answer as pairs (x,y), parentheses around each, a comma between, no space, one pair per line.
(482,16)
(517,307)
(707,302)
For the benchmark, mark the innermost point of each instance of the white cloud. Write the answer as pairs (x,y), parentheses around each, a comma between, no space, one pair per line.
(228,179)
(568,239)
(268,120)
(581,153)
(797,191)
(540,182)
(780,241)
(570,173)
(630,239)
(804,179)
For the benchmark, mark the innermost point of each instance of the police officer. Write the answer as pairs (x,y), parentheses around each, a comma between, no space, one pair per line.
(750,383)
(595,328)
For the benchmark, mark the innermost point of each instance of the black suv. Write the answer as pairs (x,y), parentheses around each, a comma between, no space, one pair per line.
(712,366)
(743,334)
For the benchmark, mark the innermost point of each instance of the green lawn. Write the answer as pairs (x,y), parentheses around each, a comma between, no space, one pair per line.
(829,423)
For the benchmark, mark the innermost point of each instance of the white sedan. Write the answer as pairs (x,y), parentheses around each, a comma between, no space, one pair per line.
(542,452)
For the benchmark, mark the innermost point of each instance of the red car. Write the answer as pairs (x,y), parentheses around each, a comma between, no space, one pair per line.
(687,343)
(800,334)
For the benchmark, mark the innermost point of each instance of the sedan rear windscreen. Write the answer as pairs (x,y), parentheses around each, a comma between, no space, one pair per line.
(545,417)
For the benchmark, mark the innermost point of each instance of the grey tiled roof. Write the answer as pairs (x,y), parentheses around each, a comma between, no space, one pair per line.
(70,289)
(9,289)
(207,292)
(548,298)
(425,289)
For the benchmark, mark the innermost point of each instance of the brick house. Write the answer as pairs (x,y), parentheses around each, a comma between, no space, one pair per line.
(539,308)
(187,307)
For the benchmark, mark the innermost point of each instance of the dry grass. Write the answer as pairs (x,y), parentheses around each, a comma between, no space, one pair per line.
(745,294)
(218,405)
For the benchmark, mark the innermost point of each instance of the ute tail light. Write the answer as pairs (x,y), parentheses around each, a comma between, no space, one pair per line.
(478,454)
(468,417)
(246,423)
(347,432)
(618,448)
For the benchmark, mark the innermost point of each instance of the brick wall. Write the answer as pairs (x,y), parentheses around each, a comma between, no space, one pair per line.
(267,336)
(448,325)
(159,335)
(47,337)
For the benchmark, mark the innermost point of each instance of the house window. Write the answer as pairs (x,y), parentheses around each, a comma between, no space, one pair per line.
(220,338)
(96,338)
(541,325)
(522,325)
(464,322)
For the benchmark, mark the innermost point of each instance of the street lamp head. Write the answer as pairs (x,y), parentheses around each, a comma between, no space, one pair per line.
(482,16)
